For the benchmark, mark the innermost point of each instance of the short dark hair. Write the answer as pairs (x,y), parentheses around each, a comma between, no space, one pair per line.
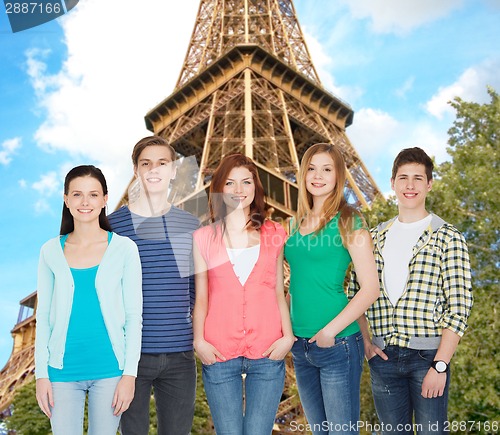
(67,221)
(413,155)
(147,142)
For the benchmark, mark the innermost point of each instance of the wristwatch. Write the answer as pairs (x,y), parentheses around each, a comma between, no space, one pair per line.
(440,366)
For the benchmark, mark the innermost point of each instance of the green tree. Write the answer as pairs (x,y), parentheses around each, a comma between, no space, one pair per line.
(27,418)
(466,193)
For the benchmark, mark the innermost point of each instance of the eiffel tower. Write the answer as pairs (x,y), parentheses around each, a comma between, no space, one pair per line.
(248,85)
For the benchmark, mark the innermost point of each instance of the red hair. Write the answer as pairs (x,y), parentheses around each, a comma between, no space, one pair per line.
(216,204)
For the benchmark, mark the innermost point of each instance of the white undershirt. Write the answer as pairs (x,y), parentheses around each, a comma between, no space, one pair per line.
(397,253)
(243,261)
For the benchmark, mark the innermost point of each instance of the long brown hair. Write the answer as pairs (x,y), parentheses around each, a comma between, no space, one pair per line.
(216,204)
(67,221)
(335,202)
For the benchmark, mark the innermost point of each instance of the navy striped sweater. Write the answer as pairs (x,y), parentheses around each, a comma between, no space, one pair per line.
(165,246)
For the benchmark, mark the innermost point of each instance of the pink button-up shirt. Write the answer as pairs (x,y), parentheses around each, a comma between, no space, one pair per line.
(242,320)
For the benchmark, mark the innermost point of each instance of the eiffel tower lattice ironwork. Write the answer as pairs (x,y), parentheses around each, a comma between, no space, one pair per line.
(248,85)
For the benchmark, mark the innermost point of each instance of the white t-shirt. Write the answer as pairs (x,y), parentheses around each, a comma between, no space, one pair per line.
(243,261)
(397,253)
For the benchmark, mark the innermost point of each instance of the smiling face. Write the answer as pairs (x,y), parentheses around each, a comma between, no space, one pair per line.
(321,178)
(411,187)
(239,189)
(155,168)
(85,199)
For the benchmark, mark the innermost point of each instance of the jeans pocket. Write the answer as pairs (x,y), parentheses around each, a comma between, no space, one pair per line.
(361,349)
(338,342)
(427,354)
(276,360)
(188,355)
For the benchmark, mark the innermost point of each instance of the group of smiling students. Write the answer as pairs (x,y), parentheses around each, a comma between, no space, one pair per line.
(124,301)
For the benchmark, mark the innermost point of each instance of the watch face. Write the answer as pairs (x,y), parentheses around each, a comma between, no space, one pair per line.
(440,366)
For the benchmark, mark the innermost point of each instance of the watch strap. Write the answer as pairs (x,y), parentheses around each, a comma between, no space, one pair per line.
(434,364)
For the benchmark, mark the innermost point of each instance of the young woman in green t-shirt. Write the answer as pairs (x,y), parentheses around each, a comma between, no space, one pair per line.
(325,237)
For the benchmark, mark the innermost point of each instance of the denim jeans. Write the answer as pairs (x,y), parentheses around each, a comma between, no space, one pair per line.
(172,376)
(397,386)
(263,386)
(69,404)
(329,382)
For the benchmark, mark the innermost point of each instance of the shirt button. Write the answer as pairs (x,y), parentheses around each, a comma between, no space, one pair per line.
(244,331)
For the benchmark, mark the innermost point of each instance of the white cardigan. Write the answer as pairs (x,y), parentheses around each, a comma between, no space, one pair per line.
(119,289)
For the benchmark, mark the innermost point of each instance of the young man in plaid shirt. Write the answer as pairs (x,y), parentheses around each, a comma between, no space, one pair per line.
(422,311)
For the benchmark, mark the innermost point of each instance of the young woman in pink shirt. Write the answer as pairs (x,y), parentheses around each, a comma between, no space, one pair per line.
(241,320)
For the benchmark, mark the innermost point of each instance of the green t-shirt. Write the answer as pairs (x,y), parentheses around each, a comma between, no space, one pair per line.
(318,264)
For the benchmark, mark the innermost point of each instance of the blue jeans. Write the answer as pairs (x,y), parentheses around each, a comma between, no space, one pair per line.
(329,382)
(69,404)
(397,386)
(172,376)
(263,386)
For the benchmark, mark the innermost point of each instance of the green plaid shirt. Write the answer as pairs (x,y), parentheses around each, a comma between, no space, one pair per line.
(438,292)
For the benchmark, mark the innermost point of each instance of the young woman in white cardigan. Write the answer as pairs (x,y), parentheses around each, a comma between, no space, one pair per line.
(89,313)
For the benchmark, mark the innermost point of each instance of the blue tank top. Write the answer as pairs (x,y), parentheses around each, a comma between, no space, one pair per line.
(88,354)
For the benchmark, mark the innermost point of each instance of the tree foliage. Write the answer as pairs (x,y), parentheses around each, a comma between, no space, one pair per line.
(465,193)
(27,418)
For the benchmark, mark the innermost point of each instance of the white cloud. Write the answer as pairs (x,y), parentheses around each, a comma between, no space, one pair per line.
(48,184)
(405,88)
(323,63)
(376,133)
(378,137)
(94,106)
(431,138)
(372,131)
(42,206)
(401,16)
(470,86)
(23,183)
(8,149)
(47,187)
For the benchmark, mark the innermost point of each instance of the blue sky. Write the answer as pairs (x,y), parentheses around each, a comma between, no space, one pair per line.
(75,91)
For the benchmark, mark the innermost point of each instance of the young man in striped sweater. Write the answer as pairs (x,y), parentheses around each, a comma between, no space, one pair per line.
(163,234)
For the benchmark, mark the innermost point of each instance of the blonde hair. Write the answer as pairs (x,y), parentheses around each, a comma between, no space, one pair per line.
(335,202)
